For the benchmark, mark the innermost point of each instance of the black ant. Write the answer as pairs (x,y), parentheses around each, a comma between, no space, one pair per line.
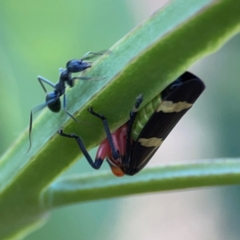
(53,101)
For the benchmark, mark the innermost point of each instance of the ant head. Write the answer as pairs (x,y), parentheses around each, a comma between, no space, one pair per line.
(74,66)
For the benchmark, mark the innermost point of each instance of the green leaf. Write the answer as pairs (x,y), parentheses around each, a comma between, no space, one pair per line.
(145,61)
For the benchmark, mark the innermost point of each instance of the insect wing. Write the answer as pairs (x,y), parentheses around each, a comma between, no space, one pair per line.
(177,99)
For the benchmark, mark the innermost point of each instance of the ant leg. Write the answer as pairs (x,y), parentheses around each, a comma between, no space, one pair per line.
(95,164)
(44,80)
(133,115)
(64,108)
(87,78)
(115,153)
(33,111)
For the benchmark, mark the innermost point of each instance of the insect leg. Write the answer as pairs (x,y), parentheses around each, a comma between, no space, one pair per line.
(95,164)
(44,80)
(133,115)
(64,108)
(33,111)
(87,78)
(115,153)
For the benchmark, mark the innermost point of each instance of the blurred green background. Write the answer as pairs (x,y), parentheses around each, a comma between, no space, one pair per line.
(38,37)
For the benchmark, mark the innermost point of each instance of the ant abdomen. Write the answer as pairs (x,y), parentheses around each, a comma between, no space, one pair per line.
(53,102)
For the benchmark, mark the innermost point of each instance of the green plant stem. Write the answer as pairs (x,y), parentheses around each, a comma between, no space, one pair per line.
(201,173)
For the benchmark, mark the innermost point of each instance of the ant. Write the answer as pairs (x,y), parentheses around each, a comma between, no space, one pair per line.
(53,101)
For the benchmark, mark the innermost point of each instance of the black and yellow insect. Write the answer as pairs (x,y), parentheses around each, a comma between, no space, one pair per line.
(130,147)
